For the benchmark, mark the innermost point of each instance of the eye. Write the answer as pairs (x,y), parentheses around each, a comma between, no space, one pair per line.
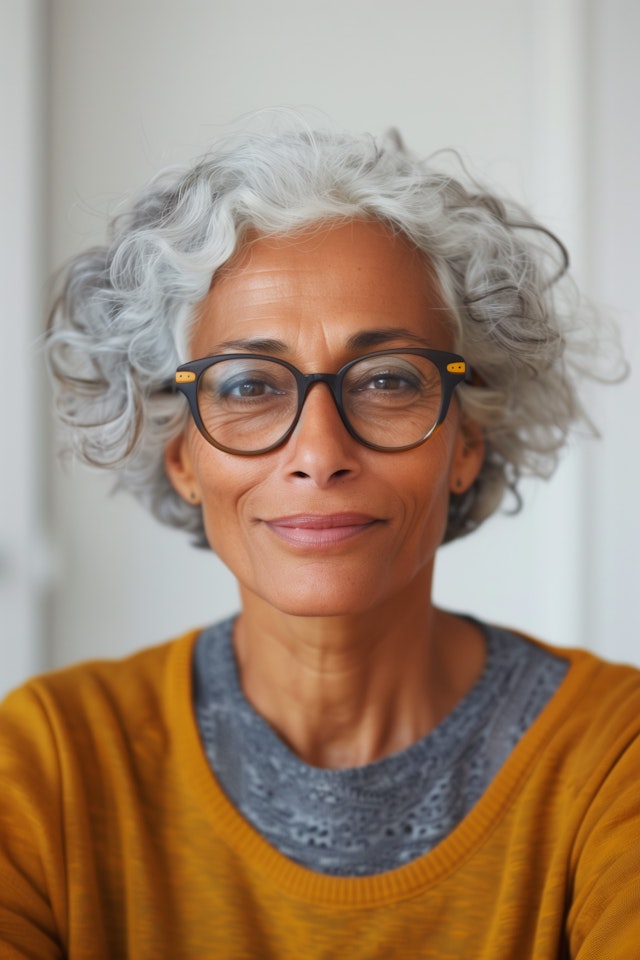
(388,381)
(248,387)
(238,381)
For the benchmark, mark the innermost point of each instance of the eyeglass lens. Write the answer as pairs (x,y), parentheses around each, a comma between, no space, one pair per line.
(389,401)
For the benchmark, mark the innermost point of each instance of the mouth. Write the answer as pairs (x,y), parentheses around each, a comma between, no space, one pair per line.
(320,530)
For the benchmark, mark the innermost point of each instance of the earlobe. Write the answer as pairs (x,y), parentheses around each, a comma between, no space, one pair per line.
(179,469)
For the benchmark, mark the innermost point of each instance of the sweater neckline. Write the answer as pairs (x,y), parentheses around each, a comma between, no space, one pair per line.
(302,883)
(476,698)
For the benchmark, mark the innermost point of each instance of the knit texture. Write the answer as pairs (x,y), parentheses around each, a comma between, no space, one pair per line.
(116,841)
(373,818)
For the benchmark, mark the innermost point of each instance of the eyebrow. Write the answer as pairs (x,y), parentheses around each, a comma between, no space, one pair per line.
(364,340)
(381,335)
(254,345)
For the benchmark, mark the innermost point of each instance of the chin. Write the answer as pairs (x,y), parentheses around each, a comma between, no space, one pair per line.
(323,600)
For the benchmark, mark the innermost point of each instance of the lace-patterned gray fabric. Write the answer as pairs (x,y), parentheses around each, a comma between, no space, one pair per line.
(367,820)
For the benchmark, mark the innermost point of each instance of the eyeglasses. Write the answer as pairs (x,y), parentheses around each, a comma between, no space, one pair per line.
(248,404)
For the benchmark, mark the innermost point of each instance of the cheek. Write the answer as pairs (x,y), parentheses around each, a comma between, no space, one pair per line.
(225,484)
(431,479)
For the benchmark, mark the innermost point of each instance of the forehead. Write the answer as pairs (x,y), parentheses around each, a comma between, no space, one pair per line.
(336,277)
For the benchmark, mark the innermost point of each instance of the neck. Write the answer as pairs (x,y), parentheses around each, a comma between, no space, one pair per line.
(348,690)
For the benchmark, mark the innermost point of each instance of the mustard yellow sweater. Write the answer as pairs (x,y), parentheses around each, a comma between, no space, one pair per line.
(116,841)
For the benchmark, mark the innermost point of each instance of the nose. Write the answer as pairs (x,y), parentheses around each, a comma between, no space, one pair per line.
(320,448)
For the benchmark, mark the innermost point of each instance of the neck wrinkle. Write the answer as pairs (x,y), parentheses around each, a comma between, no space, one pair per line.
(345,692)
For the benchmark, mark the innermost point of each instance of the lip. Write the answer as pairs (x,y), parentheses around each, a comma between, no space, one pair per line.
(320,530)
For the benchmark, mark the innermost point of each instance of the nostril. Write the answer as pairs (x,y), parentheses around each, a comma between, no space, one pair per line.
(336,473)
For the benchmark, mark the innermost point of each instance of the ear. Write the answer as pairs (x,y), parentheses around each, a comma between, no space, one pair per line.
(179,467)
(468,456)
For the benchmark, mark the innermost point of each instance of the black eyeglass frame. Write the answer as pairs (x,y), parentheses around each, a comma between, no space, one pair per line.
(452,368)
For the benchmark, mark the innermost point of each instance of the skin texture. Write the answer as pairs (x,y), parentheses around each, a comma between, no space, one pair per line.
(338,644)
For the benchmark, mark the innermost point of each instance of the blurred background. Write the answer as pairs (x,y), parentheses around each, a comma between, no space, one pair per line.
(540,96)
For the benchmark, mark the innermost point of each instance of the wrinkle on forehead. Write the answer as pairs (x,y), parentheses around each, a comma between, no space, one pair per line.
(360,275)
(309,236)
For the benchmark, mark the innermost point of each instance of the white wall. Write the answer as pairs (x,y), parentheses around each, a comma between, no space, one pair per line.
(612,517)
(534,93)
(23,450)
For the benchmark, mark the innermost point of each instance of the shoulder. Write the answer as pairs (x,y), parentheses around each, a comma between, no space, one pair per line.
(592,723)
(598,683)
(589,672)
(591,719)
(67,704)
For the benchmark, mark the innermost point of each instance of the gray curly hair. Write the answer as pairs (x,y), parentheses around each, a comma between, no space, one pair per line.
(120,322)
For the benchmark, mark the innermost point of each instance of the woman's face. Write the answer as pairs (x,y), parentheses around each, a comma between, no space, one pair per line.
(324,525)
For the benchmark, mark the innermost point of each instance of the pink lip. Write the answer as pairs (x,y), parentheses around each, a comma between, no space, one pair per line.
(319,530)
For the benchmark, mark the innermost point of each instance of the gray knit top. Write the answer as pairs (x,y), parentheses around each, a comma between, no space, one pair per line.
(366,820)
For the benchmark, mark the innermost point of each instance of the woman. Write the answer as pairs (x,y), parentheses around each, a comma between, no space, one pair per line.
(371,353)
